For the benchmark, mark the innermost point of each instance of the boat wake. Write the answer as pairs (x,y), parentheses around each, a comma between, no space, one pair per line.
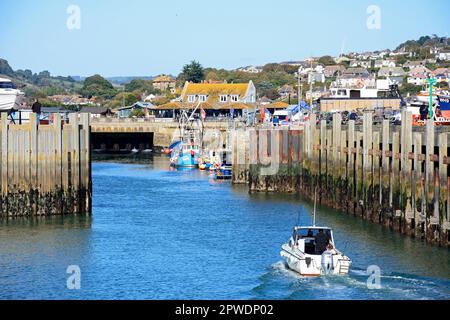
(282,283)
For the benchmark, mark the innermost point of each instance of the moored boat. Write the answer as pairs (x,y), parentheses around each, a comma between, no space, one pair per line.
(224,172)
(185,155)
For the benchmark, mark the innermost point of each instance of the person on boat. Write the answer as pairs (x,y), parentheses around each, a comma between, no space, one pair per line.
(321,241)
(330,248)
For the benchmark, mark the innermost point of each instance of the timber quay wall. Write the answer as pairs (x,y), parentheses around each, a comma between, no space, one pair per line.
(45,169)
(397,176)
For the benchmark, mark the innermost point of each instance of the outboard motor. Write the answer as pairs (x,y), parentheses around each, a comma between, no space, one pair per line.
(327,262)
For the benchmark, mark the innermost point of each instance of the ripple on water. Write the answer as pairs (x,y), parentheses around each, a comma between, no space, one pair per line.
(162,234)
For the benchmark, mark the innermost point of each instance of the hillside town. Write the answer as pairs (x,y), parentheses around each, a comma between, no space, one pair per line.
(311,82)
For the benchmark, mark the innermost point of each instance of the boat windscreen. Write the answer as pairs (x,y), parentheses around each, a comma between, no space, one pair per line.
(7,85)
(312,232)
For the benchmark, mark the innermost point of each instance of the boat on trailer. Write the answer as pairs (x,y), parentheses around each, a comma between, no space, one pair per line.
(311,252)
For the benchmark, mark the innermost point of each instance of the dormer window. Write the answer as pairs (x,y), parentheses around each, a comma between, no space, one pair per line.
(235,98)
(223,98)
(202,98)
(191,98)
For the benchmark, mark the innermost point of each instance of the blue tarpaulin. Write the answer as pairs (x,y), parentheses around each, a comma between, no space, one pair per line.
(295,108)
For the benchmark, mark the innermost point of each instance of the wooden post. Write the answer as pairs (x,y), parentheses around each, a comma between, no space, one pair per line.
(34,162)
(336,143)
(367,163)
(359,198)
(385,176)
(330,181)
(323,159)
(395,167)
(4,120)
(405,175)
(443,190)
(419,191)
(376,177)
(75,159)
(351,166)
(431,214)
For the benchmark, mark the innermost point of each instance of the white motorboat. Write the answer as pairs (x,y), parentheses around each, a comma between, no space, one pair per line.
(311,252)
(10,97)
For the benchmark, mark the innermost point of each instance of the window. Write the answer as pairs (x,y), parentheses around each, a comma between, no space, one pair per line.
(235,98)
(191,98)
(7,85)
(223,98)
(202,98)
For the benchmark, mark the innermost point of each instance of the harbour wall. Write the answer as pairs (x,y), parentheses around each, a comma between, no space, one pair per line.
(45,169)
(397,176)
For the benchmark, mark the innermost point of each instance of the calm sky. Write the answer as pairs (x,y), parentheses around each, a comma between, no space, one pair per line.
(142,37)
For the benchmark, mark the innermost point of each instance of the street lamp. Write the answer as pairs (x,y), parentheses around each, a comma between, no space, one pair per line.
(431,82)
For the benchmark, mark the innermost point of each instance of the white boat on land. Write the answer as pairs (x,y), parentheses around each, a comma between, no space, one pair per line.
(10,97)
(311,252)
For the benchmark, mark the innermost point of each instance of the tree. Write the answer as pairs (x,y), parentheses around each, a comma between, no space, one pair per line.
(137,113)
(141,86)
(192,72)
(127,98)
(442,85)
(97,86)
(409,88)
(326,61)
(5,68)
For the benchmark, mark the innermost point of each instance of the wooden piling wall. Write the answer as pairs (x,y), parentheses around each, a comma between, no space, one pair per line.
(45,169)
(397,176)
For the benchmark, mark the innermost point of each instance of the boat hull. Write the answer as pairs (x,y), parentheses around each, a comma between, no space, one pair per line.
(315,265)
(444,105)
(224,173)
(185,160)
(10,98)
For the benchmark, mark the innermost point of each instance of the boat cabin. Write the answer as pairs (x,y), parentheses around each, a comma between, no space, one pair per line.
(312,240)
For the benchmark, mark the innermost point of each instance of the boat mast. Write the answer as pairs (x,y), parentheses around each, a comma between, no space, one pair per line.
(314,213)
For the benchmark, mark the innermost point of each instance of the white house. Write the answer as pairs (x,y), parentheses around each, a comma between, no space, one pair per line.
(444,55)
(418,79)
(361,63)
(380,63)
(250,69)
(316,77)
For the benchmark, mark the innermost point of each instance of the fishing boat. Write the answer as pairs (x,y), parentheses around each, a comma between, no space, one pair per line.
(186,149)
(186,154)
(311,252)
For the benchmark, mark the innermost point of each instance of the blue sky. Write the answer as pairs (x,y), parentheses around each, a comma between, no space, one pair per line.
(138,37)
